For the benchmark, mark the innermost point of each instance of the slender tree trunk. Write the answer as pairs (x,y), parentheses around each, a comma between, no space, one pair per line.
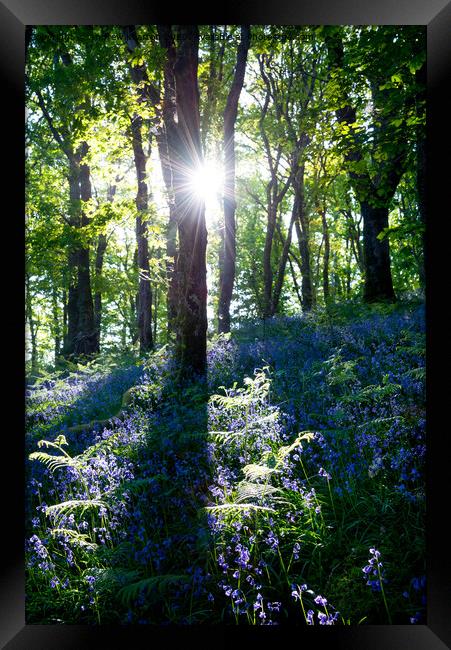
(72,262)
(56,325)
(227,268)
(144,287)
(100,255)
(155,315)
(165,137)
(283,260)
(64,314)
(326,257)
(133,329)
(302,231)
(86,340)
(171,270)
(295,281)
(348,256)
(146,92)
(267,267)
(32,328)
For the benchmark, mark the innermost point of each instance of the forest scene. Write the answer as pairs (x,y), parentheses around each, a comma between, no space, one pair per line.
(225,417)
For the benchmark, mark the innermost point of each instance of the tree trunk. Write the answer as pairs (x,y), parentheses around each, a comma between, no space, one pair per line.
(302,232)
(155,315)
(227,268)
(33,330)
(100,255)
(283,260)
(56,325)
(64,313)
(133,329)
(85,342)
(267,268)
(146,92)
(165,137)
(144,306)
(348,257)
(326,257)
(185,153)
(72,262)
(378,279)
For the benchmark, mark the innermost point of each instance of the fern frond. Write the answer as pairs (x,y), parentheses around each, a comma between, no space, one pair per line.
(161,583)
(416,373)
(57,444)
(283,452)
(223,437)
(55,462)
(116,577)
(254,471)
(75,537)
(247,490)
(237,506)
(67,507)
(108,444)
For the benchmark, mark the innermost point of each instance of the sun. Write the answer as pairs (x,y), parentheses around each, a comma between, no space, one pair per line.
(206,183)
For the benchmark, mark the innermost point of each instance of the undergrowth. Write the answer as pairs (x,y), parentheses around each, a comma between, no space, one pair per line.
(287,488)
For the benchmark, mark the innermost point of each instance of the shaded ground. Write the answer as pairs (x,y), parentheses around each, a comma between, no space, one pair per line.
(218,509)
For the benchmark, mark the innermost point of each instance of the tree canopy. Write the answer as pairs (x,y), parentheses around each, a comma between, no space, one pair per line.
(283,164)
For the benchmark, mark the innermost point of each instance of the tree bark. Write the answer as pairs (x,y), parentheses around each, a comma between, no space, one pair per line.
(326,256)
(228,244)
(267,267)
(33,329)
(144,306)
(139,77)
(165,137)
(86,340)
(56,325)
(302,231)
(376,255)
(64,312)
(185,151)
(72,262)
(100,255)
(283,260)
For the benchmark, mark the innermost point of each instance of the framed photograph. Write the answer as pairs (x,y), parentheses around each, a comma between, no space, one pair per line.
(229,238)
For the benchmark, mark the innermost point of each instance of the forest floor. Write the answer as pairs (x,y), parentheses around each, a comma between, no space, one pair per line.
(286,488)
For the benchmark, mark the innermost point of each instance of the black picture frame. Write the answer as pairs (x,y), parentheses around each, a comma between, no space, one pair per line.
(436,15)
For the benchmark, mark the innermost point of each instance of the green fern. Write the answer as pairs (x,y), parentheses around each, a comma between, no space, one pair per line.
(253,471)
(238,507)
(108,444)
(68,507)
(75,537)
(247,490)
(161,583)
(284,451)
(55,462)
